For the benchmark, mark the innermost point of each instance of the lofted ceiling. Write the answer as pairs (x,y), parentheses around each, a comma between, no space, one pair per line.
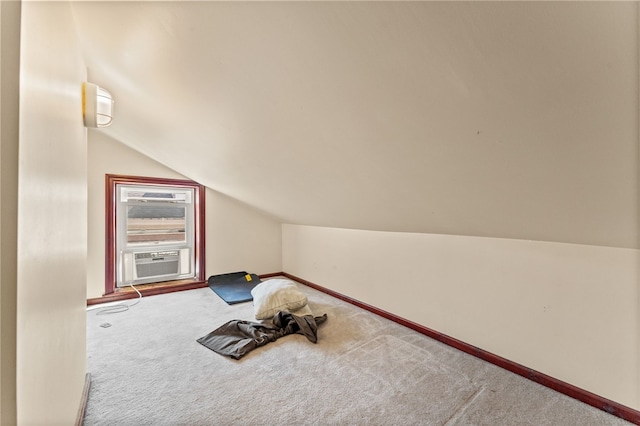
(516,120)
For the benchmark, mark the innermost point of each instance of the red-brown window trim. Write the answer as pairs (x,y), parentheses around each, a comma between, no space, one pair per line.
(110,222)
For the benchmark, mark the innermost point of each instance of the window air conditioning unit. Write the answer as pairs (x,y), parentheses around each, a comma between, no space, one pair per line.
(154,266)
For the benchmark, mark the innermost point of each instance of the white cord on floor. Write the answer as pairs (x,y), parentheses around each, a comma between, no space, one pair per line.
(120,307)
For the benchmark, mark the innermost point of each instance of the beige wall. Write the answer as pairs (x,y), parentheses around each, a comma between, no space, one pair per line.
(9,101)
(567,310)
(52,226)
(237,237)
(240,238)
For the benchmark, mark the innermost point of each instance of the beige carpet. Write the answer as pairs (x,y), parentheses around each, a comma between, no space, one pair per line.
(147,369)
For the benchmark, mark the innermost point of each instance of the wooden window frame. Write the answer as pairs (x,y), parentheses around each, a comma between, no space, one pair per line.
(111,181)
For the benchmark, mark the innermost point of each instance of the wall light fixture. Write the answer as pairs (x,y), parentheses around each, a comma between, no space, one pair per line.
(97,106)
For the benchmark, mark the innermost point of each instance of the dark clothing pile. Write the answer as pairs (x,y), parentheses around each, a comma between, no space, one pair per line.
(237,338)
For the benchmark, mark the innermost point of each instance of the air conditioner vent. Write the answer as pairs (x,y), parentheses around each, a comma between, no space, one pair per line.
(155,266)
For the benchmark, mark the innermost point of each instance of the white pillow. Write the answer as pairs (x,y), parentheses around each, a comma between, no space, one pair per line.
(275,295)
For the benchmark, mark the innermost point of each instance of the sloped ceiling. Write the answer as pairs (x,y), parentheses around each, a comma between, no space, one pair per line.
(515,120)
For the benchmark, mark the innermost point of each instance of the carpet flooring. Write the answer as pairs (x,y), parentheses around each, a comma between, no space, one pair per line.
(147,369)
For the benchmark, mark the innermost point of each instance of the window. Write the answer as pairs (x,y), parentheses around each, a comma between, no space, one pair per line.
(155,231)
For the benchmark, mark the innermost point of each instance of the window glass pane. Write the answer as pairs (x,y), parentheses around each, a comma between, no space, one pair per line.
(156,224)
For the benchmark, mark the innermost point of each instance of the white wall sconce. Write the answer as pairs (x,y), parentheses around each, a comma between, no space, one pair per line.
(97,106)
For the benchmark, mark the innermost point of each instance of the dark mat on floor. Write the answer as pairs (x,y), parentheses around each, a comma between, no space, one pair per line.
(234,287)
